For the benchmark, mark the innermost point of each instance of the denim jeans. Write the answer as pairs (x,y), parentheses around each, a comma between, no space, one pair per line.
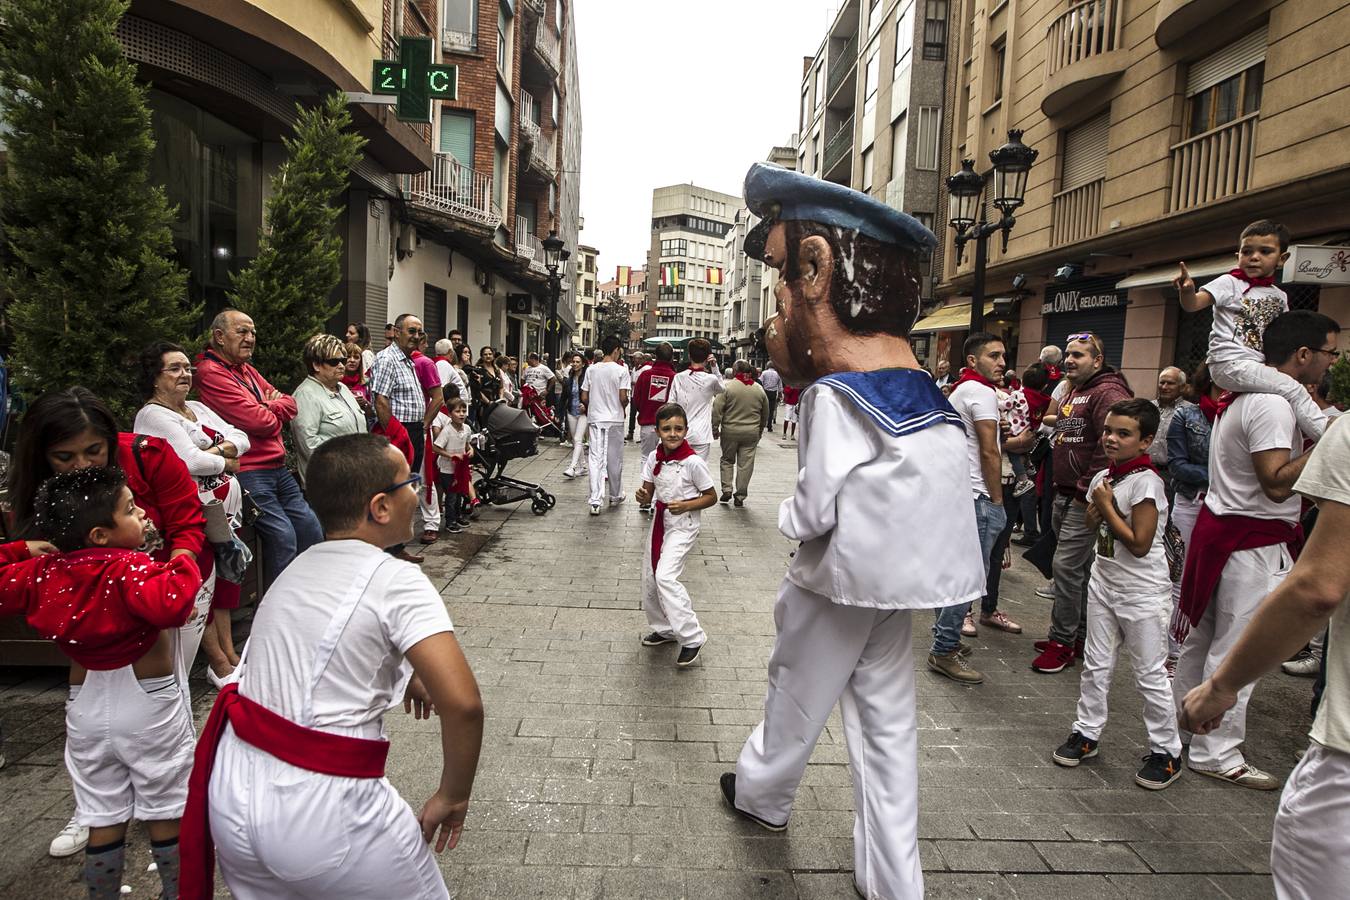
(989,521)
(287,525)
(993,575)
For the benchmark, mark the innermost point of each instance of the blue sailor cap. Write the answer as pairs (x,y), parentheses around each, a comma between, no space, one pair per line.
(777,194)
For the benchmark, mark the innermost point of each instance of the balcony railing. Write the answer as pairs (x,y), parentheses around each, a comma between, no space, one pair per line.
(529,128)
(458,41)
(1088,29)
(839,145)
(548,47)
(1077,213)
(1215,164)
(543,158)
(528,245)
(846,59)
(538,7)
(454,189)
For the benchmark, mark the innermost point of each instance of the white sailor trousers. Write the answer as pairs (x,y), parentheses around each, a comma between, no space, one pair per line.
(605,458)
(1310,847)
(664,599)
(860,658)
(1247,578)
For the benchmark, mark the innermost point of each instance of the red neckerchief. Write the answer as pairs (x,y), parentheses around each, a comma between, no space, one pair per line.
(258,726)
(1054,373)
(444,359)
(1115,471)
(352,381)
(684,451)
(1209,407)
(972,375)
(1037,401)
(1226,400)
(1258,281)
(745,378)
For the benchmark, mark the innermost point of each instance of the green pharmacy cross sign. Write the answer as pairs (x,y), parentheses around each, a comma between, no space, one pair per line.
(414,80)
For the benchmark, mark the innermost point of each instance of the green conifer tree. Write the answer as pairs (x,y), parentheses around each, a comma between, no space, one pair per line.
(287,288)
(611,317)
(90,279)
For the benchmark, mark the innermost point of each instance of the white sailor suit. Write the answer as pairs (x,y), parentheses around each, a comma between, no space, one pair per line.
(882,510)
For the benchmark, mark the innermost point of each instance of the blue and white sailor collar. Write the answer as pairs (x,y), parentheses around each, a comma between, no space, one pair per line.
(900,401)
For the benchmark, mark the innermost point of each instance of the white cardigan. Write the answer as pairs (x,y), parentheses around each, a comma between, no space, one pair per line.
(188,439)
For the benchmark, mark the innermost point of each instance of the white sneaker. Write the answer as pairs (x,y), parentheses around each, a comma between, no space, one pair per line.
(1307,667)
(70,841)
(568,473)
(595,509)
(1048,592)
(615,501)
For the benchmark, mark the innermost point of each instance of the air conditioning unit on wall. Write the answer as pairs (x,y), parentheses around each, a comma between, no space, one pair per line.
(407,240)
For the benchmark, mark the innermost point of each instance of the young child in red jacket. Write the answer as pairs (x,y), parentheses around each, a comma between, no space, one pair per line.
(115,612)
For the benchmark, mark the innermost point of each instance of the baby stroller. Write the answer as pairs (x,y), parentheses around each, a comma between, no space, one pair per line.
(536,404)
(506,433)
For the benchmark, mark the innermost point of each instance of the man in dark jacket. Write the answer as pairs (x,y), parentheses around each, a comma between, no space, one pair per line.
(1077,456)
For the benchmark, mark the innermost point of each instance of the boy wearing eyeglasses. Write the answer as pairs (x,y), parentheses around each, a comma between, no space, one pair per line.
(1245,301)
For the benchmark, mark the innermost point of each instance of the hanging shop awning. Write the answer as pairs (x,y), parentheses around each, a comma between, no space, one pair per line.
(1161,276)
(953,317)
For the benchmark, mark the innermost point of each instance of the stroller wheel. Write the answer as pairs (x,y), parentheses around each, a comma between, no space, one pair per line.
(539,507)
(551,500)
(542,496)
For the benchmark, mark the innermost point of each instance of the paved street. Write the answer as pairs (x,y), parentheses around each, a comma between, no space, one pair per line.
(600,760)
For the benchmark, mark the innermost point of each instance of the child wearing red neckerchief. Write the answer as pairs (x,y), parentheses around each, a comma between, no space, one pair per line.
(678,480)
(1245,301)
(1129,595)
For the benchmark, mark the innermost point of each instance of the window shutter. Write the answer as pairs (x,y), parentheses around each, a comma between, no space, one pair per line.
(1085,152)
(1227,62)
(457,136)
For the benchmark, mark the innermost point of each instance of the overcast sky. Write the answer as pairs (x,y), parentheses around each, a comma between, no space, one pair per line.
(695,90)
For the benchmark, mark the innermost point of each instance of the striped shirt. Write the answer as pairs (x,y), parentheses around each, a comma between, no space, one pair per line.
(394,378)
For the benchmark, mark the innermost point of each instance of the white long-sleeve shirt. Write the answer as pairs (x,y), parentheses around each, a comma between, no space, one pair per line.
(885,520)
(189,439)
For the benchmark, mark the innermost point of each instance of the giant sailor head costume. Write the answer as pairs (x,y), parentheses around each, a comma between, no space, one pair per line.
(849,267)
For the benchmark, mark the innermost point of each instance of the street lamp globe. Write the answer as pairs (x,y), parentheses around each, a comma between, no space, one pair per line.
(964,190)
(1011,162)
(553,246)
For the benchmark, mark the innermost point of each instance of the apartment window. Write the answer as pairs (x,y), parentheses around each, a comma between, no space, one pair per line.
(1085,150)
(925,219)
(899,142)
(499,171)
(820,86)
(998,59)
(460,19)
(867,169)
(935,29)
(457,135)
(815,153)
(1226,85)
(929,124)
(873,15)
(871,78)
(806,109)
(503,39)
(904,37)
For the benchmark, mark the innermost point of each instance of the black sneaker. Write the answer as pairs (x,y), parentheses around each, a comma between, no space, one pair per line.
(1160,770)
(1076,749)
(728,785)
(453,527)
(656,639)
(688,656)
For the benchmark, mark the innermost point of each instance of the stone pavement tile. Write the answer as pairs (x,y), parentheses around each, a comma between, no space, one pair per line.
(768,885)
(1175,887)
(591,749)
(578,850)
(1244,887)
(1188,856)
(529,817)
(1105,827)
(475,882)
(633,820)
(576,790)
(638,884)
(569,728)
(1062,887)
(487,847)
(823,885)
(1032,801)
(1011,827)
(1081,856)
(951,886)
(991,856)
(943,826)
(676,796)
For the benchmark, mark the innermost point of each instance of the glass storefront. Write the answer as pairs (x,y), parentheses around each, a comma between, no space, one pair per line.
(213,175)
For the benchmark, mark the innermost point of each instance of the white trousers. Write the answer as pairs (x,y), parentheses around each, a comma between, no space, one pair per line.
(861,659)
(576,428)
(647,439)
(1184,514)
(1140,624)
(283,832)
(129,752)
(665,601)
(1252,376)
(189,637)
(431,509)
(1247,578)
(702,450)
(605,458)
(1310,847)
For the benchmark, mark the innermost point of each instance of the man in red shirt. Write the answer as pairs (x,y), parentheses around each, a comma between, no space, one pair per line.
(651,391)
(234,389)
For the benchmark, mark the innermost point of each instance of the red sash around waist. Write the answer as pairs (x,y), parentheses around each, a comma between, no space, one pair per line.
(255,724)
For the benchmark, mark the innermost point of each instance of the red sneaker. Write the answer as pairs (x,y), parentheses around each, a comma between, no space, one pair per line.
(1055,658)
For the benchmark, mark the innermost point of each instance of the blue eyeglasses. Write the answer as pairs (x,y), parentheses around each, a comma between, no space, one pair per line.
(415,480)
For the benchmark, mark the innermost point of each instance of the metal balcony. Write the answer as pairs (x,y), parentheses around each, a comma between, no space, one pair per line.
(529,128)
(1083,51)
(839,147)
(458,41)
(453,189)
(547,48)
(541,161)
(528,246)
(1213,165)
(841,64)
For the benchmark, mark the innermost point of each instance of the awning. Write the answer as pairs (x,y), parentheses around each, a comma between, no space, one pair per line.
(1161,276)
(953,317)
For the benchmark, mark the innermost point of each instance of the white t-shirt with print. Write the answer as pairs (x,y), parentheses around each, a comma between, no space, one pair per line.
(1254,422)
(604,381)
(976,402)
(399,609)
(1327,478)
(1115,567)
(450,440)
(537,378)
(682,479)
(1241,314)
(695,390)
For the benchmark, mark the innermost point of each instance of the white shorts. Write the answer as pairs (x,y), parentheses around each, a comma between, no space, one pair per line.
(129,752)
(791,414)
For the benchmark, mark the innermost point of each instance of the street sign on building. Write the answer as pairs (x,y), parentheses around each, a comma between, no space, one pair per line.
(1317,264)
(414,80)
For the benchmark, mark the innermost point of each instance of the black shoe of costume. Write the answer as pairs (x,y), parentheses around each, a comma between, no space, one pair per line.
(728,785)
(688,656)
(656,639)
(1160,770)
(739,503)
(725,498)
(1073,751)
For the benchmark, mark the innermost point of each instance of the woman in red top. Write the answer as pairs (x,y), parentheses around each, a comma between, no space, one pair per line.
(73,429)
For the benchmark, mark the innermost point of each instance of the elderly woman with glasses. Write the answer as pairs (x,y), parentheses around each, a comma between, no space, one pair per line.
(325,407)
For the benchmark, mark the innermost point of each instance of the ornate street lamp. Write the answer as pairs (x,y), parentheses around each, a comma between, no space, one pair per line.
(554,254)
(1012,162)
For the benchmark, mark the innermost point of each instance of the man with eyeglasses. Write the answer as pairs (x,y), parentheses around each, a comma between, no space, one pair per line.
(228,384)
(398,395)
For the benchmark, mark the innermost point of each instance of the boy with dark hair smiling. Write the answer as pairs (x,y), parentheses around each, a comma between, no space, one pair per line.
(1129,595)
(115,612)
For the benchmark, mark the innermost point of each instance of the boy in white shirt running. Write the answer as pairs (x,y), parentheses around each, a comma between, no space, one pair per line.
(1129,595)
(604,394)
(694,389)
(1245,301)
(679,480)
